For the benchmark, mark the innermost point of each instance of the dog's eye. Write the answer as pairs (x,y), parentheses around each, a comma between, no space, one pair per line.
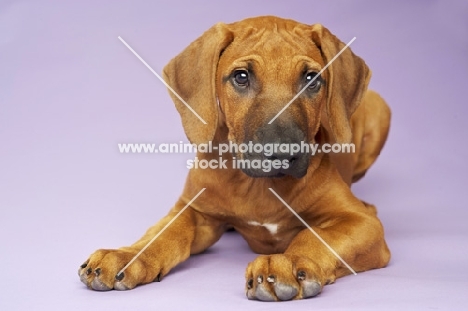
(241,77)
(315,85)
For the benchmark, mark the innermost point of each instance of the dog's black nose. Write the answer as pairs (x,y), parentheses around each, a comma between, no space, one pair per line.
(281,152)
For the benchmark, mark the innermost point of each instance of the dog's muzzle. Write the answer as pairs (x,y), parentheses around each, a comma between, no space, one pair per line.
(279,154)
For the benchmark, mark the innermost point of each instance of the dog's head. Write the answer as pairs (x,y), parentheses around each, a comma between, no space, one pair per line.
(239,76)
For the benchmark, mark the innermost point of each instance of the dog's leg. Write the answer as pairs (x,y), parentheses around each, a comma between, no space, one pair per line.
(190,233)
(370,124)
(307,264)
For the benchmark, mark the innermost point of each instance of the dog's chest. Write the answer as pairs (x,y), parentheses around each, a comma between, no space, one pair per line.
(266,237)
(271,227)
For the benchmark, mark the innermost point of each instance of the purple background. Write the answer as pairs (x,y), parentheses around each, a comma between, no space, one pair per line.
(70,91)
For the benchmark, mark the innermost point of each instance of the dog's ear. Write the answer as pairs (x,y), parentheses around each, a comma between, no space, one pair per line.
(348,77)
(192,75)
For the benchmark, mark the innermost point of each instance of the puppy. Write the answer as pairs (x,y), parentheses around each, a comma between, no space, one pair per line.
(238,78)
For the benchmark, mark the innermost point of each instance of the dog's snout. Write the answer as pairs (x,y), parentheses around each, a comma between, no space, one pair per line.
(281,153)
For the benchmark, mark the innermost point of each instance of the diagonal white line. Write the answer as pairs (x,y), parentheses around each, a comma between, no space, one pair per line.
(313,231)
(162,80)
(160,232)
(311,81)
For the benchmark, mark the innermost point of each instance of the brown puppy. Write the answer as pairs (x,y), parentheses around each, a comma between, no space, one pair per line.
(254,67)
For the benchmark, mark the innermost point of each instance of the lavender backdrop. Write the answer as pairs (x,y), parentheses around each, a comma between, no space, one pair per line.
(70,91)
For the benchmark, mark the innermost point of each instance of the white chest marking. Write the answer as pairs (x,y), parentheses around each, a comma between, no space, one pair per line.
(272,228)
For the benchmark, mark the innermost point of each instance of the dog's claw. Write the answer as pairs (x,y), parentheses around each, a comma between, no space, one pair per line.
(119,277)
(88,272)
(301,275)
(271,279)
(120,285)
(157,278)
(84,265)
(97,272)
(260,279)
(249,283)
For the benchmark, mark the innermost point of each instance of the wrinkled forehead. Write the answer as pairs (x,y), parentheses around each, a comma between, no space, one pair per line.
(271,43)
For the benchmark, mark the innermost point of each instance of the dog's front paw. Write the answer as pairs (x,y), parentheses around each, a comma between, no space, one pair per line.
(281,277)
(101,271)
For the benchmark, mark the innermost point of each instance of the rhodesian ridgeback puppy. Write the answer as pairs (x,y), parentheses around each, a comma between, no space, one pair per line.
(237,77)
